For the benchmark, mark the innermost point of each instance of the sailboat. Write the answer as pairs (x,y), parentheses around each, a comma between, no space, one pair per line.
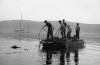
(19,30)
(22,29)
(19,27)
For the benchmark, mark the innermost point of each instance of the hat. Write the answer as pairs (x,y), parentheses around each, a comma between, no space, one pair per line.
(45,21)
(77,23)
(59,21)
(63,19)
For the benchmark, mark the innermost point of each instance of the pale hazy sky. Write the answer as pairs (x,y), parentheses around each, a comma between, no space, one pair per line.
(84,11)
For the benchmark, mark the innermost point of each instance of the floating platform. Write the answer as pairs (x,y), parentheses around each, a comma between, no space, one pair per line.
(62,44)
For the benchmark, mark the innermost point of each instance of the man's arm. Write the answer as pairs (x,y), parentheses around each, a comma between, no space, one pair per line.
(79,28)
(52,28)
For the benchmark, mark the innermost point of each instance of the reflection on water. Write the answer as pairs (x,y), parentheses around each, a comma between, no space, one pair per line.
(30,54)
(64,56)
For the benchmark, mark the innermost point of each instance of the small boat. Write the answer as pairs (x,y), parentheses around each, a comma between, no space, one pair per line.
(56,44)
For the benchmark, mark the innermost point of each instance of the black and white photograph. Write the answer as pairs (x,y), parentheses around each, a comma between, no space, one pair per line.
(49,32)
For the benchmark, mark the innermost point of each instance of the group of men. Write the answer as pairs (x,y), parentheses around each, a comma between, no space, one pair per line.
(63,27)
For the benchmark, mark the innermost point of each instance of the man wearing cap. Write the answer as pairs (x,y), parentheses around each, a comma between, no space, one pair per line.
(50,29)
(77,31)
(61,28)
(65,27)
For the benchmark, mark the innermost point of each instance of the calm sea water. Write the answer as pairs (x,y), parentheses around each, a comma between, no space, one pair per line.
(30,54)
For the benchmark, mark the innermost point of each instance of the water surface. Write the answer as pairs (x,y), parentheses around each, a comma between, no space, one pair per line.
(29,53)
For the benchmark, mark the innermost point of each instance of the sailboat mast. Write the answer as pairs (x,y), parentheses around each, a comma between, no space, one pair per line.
(20,31)
(21,23)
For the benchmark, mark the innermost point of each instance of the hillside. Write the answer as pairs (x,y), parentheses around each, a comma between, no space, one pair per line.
(31,28)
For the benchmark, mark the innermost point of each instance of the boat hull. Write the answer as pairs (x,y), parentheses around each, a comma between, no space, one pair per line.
(59,45)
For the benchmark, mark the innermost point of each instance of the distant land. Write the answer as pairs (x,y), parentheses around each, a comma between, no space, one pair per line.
(30,29)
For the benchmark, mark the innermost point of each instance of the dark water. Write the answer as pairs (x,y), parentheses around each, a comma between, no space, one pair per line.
(30,54)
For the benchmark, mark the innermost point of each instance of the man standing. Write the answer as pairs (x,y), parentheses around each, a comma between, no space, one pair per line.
(61,29)
(69,30)
(65,27)
(77,31)
(50,29)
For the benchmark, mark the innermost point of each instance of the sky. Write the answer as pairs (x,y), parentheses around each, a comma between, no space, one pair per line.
(83,11)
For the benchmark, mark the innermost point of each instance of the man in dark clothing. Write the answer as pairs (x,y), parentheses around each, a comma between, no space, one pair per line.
(50,29)
(65,27)
(69,30)
(77,31)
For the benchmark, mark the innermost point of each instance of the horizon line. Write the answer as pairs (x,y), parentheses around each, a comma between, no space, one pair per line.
(47,20)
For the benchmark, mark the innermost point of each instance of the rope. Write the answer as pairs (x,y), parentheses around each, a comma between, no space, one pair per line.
(39,34)
(57,33)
